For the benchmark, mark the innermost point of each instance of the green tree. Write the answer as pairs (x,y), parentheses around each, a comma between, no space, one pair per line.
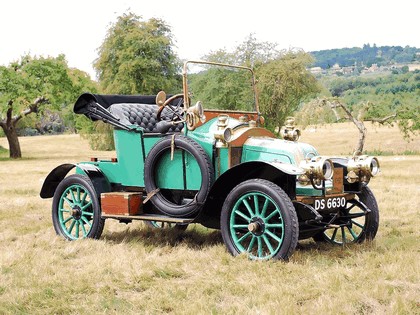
(284,83)
(29,86)
(222,88)
(137,57)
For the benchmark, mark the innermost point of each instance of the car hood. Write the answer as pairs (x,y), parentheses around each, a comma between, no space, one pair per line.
(276,150)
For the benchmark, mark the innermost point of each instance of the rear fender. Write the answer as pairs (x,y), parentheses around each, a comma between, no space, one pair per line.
(283,175)
(99,181)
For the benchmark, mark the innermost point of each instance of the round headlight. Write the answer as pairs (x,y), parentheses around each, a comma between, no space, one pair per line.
(227,134)
(318,167)
(374,166)
(327,169)
(296,134)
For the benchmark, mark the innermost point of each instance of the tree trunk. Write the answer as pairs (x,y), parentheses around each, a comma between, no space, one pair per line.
(362,136)
(358,122)
(12,138)
(9,125)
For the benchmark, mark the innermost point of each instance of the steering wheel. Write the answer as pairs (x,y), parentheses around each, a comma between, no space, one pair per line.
(173,108)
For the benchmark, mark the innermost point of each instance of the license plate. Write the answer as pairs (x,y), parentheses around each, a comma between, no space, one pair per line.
(330,203)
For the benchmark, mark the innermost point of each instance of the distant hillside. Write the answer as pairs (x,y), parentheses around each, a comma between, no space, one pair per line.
(365,56)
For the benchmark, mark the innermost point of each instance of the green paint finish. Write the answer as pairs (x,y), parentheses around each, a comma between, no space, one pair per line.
(222,161)
(206,140)
(80,171)
(149,142)
(129,168)
(308,191)
(170,174)
(256,154)
(75,213)
(266,238)
(271,149)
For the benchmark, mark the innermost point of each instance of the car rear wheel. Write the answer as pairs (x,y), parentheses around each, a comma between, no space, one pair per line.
(258,219)
(356,222)
(76,212)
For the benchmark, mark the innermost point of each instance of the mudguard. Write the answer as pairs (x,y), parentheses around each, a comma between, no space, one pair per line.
(282,174)
(99,181)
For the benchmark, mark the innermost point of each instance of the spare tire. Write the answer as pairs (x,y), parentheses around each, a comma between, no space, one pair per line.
(177,207)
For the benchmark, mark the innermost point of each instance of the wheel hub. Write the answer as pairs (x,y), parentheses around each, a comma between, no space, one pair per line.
(256,226)
(76,212)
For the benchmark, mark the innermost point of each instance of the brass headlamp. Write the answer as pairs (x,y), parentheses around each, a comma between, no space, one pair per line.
(363,167)
(289,131)
(316,169)
(223,133)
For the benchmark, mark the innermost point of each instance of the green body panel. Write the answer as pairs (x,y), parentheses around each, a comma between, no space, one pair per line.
(170,172)
(128,170)
(255,154)
(307,191)
(276,150)
(204,137)
(223,161)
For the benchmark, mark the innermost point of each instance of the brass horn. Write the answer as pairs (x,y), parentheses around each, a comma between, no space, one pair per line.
(194,115)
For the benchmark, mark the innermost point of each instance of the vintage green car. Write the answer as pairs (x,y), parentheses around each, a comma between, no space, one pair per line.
(203,156)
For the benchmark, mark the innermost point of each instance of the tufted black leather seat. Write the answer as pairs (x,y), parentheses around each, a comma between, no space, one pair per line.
(142,115)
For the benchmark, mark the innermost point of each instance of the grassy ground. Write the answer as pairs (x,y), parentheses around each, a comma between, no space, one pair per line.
(132,269)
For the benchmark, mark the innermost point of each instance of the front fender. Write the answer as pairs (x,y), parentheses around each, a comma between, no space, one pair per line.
(289,169)
(97,177)
(282,174)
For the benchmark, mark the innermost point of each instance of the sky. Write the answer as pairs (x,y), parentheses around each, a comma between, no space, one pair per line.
(77,28)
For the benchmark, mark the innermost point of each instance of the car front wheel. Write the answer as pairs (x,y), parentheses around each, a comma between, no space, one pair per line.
(258,219)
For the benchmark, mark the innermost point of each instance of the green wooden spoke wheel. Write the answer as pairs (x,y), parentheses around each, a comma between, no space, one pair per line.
(356,222)
(76,212)
(258,219)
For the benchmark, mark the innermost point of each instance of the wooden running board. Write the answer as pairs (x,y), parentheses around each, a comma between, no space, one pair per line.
(147,217)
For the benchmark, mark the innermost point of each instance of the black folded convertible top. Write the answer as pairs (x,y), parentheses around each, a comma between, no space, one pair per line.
(95,106)
(80,107)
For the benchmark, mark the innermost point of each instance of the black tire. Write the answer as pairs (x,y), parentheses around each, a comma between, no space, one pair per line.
(258,218)
(76,211)
(357,229)
(167,225)
(177,207)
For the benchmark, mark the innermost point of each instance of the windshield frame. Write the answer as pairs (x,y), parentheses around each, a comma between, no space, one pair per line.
(185,83)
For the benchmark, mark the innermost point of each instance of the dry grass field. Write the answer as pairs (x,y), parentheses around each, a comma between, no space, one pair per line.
(134,270)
